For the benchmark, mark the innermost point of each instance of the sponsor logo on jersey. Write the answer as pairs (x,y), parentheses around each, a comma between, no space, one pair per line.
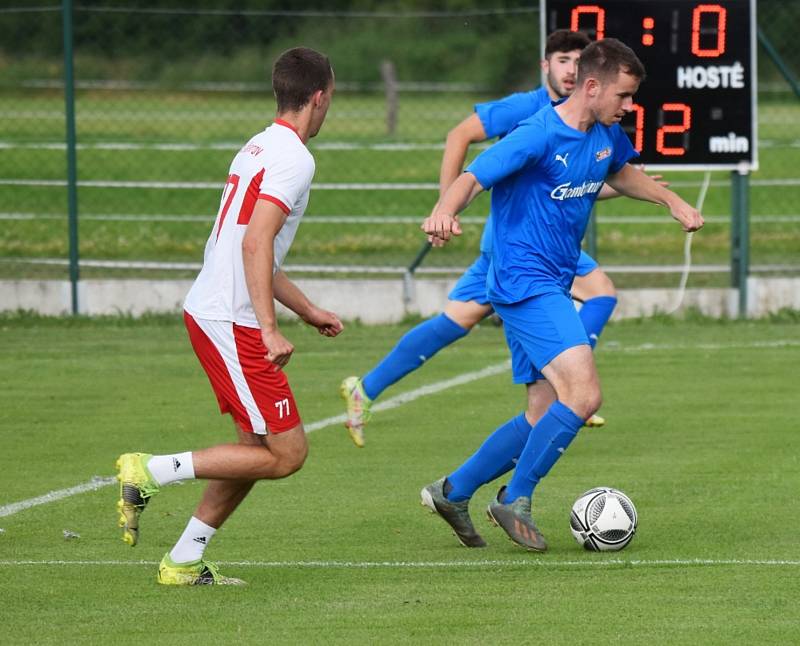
(563,159)
(567,191)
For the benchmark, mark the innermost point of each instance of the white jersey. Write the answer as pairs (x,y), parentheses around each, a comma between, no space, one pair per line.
(274,165)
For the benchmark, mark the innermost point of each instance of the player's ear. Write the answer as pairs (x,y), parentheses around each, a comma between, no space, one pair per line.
(592,86)
(316,98)
(545,65)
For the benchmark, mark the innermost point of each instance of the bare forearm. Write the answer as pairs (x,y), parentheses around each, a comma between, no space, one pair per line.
(636,184)
(460,194)
(469,131)
(455,152)
(606,193)
(290,295)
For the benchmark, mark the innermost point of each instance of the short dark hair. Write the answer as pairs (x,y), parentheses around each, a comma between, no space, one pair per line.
(606,58)
(564,40)
(297,74)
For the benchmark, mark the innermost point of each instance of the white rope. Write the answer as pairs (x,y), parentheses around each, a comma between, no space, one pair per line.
(687,247)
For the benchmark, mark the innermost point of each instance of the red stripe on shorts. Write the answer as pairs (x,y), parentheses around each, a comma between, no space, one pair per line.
(268,383)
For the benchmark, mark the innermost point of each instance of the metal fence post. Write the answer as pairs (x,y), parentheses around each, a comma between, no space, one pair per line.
(72,164)
(740,235)
(408,276)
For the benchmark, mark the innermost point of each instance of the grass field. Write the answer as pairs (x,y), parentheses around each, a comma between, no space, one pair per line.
(183,137)
(701,434)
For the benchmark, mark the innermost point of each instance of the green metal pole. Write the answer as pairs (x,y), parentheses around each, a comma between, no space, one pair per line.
(408,277)
(740,235)
(72,163)
(423,251)
(778,60)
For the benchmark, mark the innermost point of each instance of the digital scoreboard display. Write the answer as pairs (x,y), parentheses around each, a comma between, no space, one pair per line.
(697,107)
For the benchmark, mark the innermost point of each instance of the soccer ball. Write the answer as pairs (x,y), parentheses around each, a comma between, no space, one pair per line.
(603,520)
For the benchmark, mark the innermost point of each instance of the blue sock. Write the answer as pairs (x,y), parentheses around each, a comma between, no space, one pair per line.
(547,441)
(417,346)
(491,460)
(594,315)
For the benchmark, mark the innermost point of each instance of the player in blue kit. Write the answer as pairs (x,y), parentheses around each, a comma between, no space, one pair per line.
(545,176)
(467,303)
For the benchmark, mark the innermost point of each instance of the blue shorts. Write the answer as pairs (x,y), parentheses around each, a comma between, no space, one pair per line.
(538,330)
(586,264)
(472,284)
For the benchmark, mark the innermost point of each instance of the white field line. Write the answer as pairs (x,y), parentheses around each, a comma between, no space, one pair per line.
(98,482)
(424,391)
(653,347)
(533,562)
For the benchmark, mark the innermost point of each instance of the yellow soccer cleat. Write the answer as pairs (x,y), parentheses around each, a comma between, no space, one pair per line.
(358,408)
(136,487)
(595,421)
(194,573)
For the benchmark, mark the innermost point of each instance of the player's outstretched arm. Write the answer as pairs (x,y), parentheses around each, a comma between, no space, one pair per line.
(607,193)
(443,222)
(632,182)
(290,295)
(469,131)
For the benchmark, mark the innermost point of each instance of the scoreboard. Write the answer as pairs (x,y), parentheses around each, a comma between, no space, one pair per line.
(696,110)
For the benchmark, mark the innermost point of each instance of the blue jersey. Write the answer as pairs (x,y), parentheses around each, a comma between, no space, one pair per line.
(545,177)
(501,117)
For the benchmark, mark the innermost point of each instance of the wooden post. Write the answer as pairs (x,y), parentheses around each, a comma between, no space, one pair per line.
(389,76)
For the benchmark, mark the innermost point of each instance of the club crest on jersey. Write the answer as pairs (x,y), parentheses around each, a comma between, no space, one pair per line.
(600,155)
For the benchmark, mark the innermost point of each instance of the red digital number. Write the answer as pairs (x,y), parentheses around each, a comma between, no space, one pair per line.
(673,129)
(227,197)
(638,138)
(600,18)
(722,15)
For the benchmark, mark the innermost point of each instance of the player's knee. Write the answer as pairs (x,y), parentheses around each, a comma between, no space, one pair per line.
(601,285)
(289,462)
(290,450)
(292,463)
(584,402)
(595,284)
(593,402)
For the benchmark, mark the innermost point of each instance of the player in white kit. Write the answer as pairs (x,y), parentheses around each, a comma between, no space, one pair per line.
(230,316)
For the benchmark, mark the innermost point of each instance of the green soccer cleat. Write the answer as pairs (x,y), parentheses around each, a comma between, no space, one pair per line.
(194,573)
(358,408)
(595,421)
(136,487)
(515,520)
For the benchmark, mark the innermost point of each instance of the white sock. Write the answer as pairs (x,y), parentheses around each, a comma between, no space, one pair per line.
(193,542)
(171,468)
